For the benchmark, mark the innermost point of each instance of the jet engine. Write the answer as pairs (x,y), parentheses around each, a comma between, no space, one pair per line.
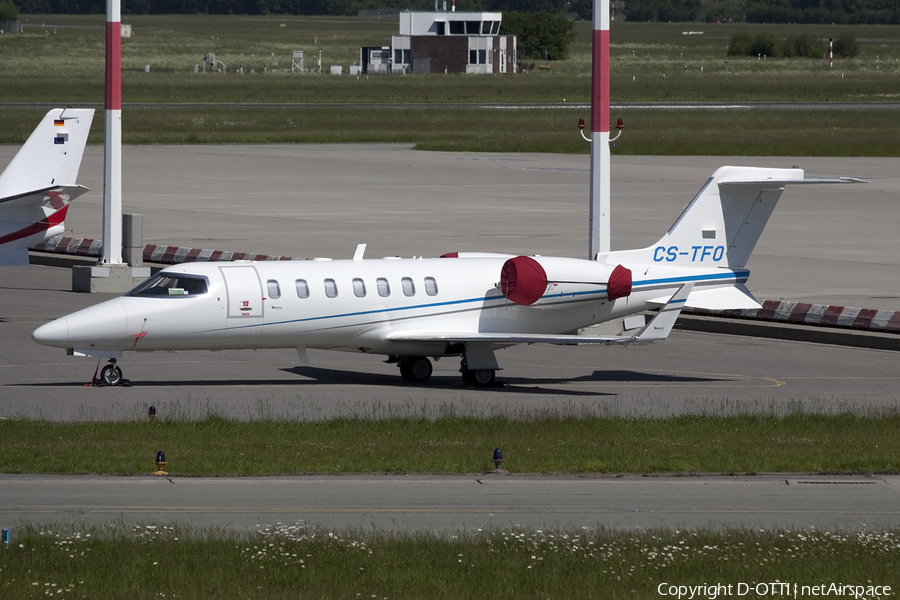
(549,282)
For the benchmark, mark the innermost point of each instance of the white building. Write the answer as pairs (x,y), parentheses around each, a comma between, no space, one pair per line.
(446,42)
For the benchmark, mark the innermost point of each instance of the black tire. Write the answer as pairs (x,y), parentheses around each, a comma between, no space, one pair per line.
(483,377)
(479,378)
(111,375)
(416,369)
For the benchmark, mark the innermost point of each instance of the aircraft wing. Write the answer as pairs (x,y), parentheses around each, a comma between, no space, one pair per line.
(506,338)
(657,329)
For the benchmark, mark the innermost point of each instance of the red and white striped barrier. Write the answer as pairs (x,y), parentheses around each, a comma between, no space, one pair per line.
(160,255)
(805,313)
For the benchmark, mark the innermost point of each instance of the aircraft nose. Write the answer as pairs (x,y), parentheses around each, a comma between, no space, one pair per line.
(54,333)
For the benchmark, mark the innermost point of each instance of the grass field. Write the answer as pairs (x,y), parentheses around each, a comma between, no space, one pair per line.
(295,561)
(647,132)
(60,59)
(453,444)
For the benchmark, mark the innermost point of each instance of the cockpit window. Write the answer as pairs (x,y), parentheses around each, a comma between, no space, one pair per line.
(168,284)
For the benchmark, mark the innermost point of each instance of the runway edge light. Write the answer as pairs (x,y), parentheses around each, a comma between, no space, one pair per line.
(151,414)
(160,463)
(498,460)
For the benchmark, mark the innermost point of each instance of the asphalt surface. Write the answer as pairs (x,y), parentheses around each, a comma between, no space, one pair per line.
(830,245)
(459,503)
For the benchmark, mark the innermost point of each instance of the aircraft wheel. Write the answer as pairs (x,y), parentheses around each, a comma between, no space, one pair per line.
(111,375)
(480,377)
(416,369)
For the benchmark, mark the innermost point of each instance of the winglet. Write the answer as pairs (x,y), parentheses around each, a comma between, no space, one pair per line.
(661,325)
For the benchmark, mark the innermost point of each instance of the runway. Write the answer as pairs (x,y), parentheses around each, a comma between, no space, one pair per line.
(459,503)
(834,245)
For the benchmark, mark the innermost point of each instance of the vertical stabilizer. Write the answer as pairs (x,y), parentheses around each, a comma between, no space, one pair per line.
(40,181)
(721,225)
(52,154)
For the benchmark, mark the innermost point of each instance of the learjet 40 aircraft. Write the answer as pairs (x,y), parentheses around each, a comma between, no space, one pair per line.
(39,183)
(462,304)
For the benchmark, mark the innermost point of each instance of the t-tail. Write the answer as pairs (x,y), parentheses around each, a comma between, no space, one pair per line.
(40,181)
(719,229)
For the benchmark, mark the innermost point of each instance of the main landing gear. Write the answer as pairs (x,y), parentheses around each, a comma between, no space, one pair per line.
(418,369)
(415,369)
(110,375)
(476,377)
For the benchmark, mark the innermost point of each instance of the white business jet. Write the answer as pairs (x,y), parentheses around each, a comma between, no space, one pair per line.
(462,304)
(39,183)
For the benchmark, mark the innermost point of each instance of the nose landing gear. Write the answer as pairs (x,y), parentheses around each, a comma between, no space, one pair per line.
(110,375)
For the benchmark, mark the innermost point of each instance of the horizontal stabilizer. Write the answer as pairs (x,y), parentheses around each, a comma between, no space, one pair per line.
(51,198)
(736,297)
(762,183)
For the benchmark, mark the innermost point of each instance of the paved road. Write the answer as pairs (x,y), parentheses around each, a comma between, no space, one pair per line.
(454,503)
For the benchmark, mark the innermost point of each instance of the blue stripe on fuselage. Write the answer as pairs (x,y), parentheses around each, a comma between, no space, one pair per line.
(739,276)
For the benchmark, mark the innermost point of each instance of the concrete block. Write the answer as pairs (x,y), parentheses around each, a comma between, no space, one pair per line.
(107,279)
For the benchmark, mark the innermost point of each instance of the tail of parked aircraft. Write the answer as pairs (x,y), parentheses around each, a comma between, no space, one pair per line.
(720,227)
(40,181)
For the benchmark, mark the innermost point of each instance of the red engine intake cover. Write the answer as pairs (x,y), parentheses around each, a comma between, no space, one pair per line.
(523,280)
(619,283)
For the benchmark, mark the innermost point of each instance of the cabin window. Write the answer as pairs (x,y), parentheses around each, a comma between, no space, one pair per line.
(302,288)
(171,284)
(274,289)
(409,288)
(384,288)
(430,286)
(359,288)
(330,288)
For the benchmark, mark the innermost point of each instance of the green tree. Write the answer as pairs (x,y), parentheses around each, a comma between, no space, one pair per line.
(846,46)
(8,11)
(541,36)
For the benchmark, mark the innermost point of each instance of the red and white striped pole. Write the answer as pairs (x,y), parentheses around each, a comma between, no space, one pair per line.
(598,240)
(830,52)
(112,145)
